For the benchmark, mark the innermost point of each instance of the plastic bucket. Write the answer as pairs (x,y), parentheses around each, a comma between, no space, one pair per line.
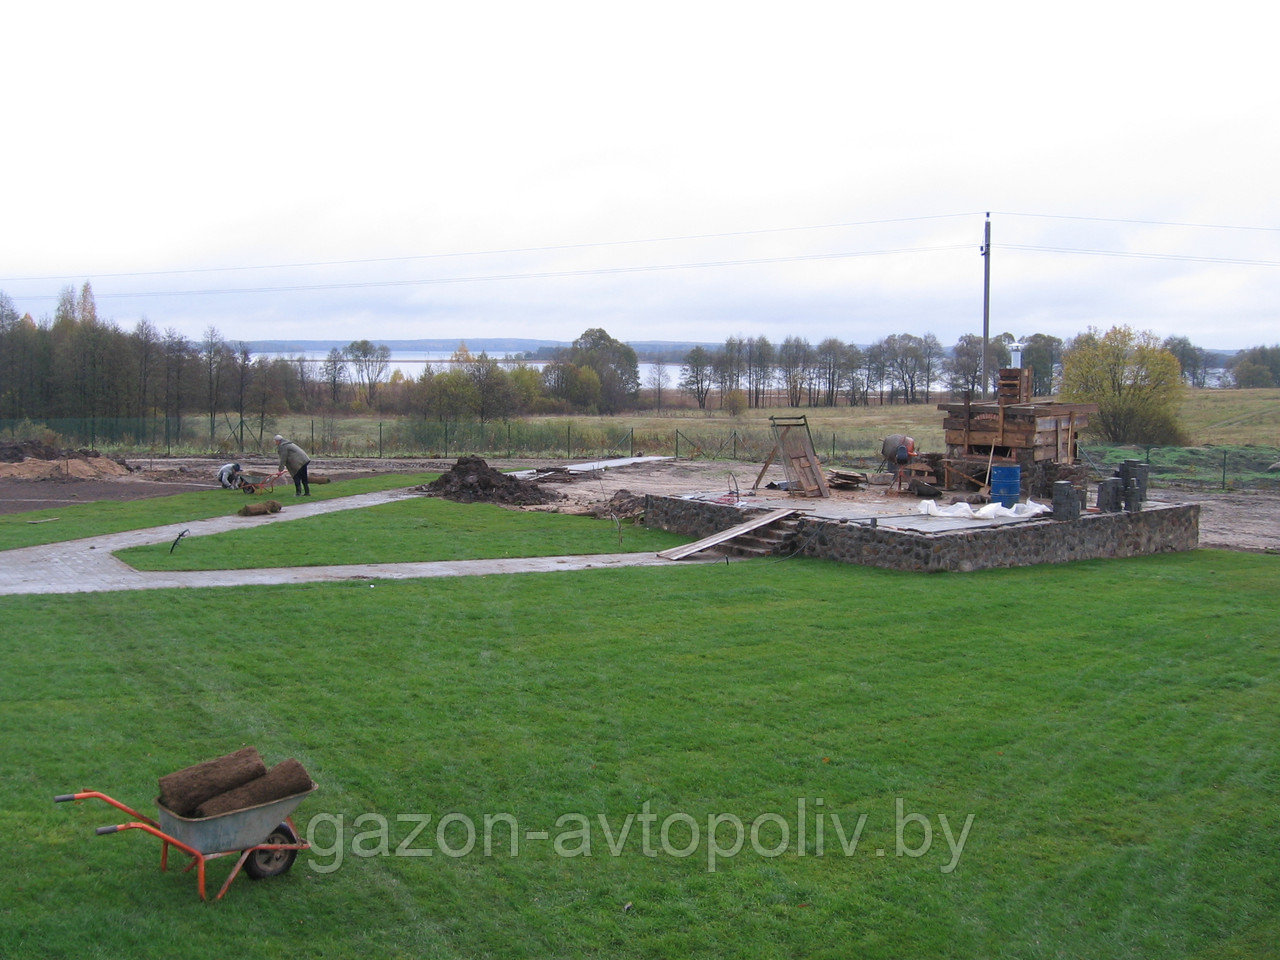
(1006,484)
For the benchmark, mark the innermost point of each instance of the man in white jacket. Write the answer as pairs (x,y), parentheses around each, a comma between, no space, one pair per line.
(229,476)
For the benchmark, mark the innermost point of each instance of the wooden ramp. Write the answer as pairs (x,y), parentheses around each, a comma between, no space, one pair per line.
(755,523)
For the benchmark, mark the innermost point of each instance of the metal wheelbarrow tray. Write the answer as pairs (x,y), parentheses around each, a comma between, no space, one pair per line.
(263,835)
(252,483)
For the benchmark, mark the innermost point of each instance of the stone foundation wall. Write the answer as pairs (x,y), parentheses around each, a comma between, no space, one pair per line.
(693,518)
(1162,529)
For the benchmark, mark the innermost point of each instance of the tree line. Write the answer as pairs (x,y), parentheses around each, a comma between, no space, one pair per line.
(901,368)
(75,364)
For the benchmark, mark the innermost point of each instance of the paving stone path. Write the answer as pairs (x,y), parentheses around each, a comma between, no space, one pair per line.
(88,566)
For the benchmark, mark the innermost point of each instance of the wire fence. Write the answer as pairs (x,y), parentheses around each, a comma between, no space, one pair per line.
(1205,468)
(1209,467)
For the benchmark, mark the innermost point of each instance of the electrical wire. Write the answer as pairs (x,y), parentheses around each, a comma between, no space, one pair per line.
(485,253)
(551,274)
(1133,255)
(1152,223)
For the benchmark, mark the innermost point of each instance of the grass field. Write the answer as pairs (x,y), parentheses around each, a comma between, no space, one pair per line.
(1219,417)
(414,530)
(1077,761)
(72,522)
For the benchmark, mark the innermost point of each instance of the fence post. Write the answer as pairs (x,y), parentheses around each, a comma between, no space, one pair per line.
(833,446)
(446,440)
(379,439)
(677,444)
(1224,469)
(735,444)
(568,441)
(631,435)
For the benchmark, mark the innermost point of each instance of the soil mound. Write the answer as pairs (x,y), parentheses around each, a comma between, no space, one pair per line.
(623,505)
(33,460)
(472,480)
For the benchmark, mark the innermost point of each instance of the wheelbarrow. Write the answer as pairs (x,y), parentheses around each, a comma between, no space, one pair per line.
(263,836)
(259,482)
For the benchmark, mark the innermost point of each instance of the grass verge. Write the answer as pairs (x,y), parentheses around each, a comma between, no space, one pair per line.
(414,530)
(1109,727)
(102,517)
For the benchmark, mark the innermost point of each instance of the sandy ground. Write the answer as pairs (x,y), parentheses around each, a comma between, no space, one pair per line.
(1230,520)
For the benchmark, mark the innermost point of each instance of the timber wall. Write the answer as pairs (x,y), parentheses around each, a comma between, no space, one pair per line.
(1161,529)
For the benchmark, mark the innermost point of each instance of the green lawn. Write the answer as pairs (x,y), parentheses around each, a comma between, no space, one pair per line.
(412,530)
(95,519)
(1110,728)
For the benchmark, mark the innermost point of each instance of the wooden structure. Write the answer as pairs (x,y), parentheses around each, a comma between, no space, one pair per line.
(1016,428)
(793,445)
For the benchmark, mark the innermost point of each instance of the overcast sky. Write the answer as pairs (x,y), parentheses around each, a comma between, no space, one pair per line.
(664,170)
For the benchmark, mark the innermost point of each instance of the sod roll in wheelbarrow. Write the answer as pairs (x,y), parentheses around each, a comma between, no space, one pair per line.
(283,780)
(184,791)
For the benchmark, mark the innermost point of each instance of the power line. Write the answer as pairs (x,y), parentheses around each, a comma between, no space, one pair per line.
(485,253)
(1141,256)
(1152,223)
(552,274)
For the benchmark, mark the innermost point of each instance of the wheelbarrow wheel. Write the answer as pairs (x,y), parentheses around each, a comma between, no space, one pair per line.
(271,863)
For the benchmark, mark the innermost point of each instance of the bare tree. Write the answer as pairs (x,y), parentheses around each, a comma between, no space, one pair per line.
(334,374)
(213,359)
(370,363)
(795,357)
(696,375)
(657,380)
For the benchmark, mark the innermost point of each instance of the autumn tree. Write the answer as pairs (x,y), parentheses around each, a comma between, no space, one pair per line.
(369,363)
(493,397)
(696,375)
(1256,367)
(1042,353)
(1135,382)
(615,365)
(1193,360)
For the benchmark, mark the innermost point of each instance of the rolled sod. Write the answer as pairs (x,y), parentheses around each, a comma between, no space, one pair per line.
(283,780)
(184,791)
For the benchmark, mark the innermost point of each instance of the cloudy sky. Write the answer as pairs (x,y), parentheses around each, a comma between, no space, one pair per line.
(664,170)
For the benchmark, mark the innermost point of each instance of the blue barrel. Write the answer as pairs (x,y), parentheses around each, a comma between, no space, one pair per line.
(1006,484)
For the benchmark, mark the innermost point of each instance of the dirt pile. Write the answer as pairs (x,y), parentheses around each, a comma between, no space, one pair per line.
(623,505)
(472,480)
(33,460)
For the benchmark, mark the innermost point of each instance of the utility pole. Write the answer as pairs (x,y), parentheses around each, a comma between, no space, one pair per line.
(986,300)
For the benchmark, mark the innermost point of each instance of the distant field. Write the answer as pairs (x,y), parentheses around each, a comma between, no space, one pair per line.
(1210,417)
(1233,417)
(1218,417)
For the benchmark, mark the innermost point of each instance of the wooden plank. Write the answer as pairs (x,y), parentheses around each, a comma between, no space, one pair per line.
(688,549)
(767,461)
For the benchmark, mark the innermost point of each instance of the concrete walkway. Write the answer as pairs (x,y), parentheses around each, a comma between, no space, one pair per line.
(87,566)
